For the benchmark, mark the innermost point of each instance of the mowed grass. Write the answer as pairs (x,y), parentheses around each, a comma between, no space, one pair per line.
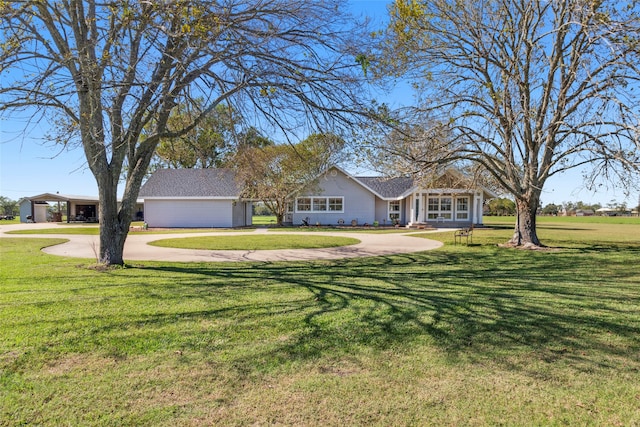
(83,230)
(262,220)
(256,242)
(95,230)
(464,335)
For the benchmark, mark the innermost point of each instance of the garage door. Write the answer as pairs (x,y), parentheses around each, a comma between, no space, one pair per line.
(187,213)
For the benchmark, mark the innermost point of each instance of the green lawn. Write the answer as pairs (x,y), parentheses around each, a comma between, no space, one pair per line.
(15,220)
(464,335)
(94,229)
(263,220)
(256,242)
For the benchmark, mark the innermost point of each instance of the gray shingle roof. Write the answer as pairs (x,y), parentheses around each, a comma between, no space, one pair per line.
(191,183)
(388,188)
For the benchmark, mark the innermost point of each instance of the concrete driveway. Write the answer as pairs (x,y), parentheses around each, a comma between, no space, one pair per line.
(137,247)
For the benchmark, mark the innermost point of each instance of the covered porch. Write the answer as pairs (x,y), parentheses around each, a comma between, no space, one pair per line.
(445,207)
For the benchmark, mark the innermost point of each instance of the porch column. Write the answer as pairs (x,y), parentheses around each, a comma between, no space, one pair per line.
(412,209)
(477,208)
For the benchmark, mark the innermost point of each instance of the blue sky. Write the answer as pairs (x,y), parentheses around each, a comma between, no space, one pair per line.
(30,165)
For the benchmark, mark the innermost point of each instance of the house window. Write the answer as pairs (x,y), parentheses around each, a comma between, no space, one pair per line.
(320,204)
(303,204)
(440,208)
(462,208)
(394,210)
(335,204)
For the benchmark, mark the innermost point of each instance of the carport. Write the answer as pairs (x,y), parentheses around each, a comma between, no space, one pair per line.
(79,208)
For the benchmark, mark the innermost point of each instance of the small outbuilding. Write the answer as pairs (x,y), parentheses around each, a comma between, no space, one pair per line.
(78,208)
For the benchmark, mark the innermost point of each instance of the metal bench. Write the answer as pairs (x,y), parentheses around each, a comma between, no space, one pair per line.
(465,232)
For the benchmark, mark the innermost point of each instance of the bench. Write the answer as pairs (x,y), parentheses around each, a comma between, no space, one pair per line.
(464,232)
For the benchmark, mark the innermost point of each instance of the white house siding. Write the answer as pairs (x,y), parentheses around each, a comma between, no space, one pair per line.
(40,214)
(242,213)
(188,213)
(382,211)
(358,203)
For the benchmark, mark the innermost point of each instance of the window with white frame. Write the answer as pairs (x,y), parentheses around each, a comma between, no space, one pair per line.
(336,204)
(394,210)
(320,204)
(440,208)
(303,204)
(462,208)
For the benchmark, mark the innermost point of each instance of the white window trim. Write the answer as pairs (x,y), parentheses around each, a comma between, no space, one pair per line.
(439,213)
(326,198)
(467,211)
(394,212)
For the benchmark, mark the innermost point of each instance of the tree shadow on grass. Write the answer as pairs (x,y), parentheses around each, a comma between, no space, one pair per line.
(473,305)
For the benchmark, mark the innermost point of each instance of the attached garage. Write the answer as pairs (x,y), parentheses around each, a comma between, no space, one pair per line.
(187,213)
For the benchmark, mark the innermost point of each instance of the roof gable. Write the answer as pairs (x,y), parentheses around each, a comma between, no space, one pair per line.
(222,183)
(196,183)
(387,188)
(57,197)
(400,187)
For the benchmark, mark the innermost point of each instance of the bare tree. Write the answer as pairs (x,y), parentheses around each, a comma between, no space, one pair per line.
(526,89)
(111,73)
(273,174)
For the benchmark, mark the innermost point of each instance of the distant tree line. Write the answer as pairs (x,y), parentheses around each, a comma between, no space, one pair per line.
(8,206)
(507,207)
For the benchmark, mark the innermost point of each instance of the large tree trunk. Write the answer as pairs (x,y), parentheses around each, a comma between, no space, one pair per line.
(278,209)
(525,233)
(114,226)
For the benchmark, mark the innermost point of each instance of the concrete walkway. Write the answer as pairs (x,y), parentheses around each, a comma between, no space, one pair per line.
(137,247)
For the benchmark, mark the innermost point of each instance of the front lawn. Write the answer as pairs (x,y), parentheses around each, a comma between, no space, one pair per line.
(255,242)
(464,335)
(94,229)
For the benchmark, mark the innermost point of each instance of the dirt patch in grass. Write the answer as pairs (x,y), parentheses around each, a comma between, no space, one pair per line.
(77,362)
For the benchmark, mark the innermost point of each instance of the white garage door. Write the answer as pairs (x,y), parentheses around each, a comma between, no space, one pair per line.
(187,213)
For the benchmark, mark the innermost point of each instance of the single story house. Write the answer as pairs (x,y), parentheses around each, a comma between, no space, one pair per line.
(613,212)
(212,198)
(340,198)
(176,198)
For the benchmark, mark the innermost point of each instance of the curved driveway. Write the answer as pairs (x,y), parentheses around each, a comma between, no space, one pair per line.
(137,247)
